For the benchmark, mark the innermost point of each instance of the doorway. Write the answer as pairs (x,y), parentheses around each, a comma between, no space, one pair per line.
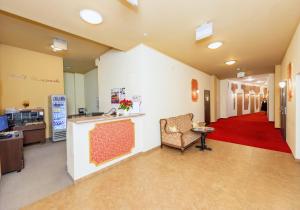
(239,104)
(252,107)
(283,111)
(207,106)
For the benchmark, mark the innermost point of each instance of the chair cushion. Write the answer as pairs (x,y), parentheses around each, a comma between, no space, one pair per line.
(171,122)
(172,129)
(189,137)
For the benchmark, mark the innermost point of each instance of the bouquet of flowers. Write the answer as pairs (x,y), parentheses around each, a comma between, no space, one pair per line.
(125,104)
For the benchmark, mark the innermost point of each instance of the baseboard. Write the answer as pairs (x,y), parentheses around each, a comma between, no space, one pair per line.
(113,165)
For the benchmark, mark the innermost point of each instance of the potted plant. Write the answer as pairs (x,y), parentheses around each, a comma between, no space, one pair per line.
(125,105)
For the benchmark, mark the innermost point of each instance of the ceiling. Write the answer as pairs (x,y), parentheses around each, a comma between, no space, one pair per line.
(19,32)
(256,33)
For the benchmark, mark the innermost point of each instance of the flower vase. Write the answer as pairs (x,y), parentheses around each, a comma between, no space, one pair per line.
(126,112)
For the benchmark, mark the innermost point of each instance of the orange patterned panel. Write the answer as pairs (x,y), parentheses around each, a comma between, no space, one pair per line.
(111,140)
(195,90)
(290,82)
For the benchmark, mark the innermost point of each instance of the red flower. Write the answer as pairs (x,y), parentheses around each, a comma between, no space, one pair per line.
(125,104)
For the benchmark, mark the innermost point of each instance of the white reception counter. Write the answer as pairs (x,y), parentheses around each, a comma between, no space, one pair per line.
(94,143)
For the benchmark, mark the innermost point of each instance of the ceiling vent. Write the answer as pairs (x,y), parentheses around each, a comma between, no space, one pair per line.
(204,31)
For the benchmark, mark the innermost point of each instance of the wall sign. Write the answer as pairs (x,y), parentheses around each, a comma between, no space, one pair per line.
(26,77)
(290,82)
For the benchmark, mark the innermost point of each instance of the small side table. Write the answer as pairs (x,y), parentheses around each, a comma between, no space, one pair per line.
(203,131)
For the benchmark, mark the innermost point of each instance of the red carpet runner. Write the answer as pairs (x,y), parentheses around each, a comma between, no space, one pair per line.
(251,130)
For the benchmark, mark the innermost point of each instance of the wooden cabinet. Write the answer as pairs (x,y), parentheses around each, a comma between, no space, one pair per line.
(33,133)
(11,154)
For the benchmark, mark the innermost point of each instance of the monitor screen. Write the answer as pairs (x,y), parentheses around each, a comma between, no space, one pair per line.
(3,122)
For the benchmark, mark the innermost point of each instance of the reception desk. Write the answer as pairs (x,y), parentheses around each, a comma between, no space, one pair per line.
(94,143)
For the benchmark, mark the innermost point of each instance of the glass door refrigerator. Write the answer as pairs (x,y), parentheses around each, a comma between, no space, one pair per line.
(58,117)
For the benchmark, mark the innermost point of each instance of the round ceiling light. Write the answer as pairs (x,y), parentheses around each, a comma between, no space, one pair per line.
(91,16)
(230,62)
(215,45)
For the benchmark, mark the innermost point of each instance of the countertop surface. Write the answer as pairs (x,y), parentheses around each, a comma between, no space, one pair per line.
(88,119)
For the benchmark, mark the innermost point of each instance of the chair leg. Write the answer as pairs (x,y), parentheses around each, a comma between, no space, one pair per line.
(182,150)
(161,146)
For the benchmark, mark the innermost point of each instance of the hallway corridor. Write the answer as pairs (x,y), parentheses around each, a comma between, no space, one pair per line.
(251,130)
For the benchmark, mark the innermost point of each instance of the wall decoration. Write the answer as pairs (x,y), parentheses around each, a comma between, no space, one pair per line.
(234,87)
(246,90)
(256,89)
(290,88)
(111,140)
(117,95)
(25,77)
(195,90)
(256,101)
(246,101)
(122,94)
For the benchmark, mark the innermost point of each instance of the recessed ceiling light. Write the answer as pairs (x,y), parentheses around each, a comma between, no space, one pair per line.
(230,62)
(91,16)
(215,45)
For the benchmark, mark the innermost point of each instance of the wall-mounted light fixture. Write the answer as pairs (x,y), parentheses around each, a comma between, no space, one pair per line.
(282,84)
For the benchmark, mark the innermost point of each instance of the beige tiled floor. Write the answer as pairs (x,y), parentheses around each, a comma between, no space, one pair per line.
(230,177)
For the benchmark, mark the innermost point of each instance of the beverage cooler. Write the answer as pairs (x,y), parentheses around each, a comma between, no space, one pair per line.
(58,117)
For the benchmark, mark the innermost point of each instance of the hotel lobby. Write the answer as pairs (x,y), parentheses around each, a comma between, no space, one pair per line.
(135,104)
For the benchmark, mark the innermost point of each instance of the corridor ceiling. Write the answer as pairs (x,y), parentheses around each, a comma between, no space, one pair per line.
(256,33)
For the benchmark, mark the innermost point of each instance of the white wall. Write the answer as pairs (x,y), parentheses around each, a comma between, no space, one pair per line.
(293,125)
(70,92)
(91,91)
(79,91)
(74,90)
(163,82)
(224,85)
